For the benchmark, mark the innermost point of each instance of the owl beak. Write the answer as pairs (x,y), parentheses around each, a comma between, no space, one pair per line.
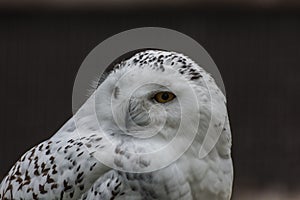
(137,117)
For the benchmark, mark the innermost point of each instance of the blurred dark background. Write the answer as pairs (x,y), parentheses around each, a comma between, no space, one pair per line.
(256,47)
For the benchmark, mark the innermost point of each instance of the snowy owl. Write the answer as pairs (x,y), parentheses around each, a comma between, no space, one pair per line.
(155,127)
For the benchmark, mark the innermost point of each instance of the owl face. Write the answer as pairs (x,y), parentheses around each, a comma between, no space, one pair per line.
(147,100)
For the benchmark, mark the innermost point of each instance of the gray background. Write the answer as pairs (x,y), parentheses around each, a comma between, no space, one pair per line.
(256,51)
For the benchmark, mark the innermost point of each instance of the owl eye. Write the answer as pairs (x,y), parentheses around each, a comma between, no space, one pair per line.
(164,97)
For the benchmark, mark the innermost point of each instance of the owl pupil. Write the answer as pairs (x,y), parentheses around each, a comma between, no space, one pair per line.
(165,96)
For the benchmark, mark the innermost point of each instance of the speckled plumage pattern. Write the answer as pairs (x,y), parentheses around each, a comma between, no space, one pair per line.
(65,166)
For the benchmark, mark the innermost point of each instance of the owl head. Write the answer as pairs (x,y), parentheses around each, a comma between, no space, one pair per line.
(159,101)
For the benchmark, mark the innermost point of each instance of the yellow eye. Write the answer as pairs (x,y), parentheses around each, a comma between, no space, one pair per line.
(164,97)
